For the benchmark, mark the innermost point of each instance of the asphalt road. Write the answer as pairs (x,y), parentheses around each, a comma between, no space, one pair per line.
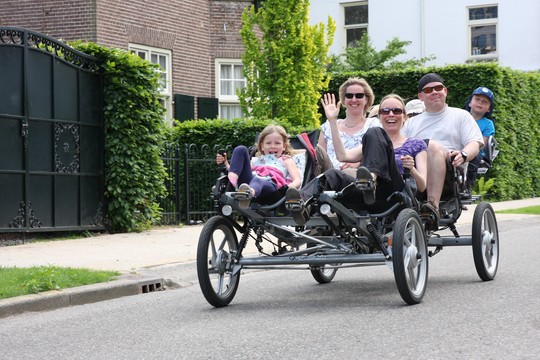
(287,315)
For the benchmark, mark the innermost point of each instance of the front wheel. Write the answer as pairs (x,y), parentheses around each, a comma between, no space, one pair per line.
(485,241)
(409,256)
(217,245)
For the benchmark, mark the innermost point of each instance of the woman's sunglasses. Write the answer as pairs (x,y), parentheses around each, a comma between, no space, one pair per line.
(357,95)
(386,111)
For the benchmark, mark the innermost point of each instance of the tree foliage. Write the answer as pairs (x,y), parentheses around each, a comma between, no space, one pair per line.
(285,61)
(134,135)
(364,57)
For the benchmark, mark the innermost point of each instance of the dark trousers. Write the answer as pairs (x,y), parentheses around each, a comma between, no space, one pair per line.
(379,159)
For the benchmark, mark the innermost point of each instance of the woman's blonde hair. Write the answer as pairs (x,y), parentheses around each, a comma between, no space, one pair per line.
(363,83)
(270,129)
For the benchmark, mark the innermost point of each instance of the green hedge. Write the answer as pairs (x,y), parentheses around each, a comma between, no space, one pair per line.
(517,113)
(134,134)
(225,132)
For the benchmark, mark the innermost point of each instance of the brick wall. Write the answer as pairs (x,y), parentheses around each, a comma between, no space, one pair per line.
(196,31)
(66,20)
(226,23)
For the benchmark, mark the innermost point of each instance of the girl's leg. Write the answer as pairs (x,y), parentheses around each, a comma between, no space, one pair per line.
(240,166)
(261,186)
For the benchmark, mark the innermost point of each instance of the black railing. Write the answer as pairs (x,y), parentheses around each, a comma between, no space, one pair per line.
(189,184)
(171,202)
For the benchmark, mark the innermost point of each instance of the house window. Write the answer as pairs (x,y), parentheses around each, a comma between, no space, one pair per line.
(356,22)
(483,32)
(161,57)
(230,81)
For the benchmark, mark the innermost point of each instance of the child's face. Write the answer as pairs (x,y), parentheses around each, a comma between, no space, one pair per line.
(273,144)
(480,104)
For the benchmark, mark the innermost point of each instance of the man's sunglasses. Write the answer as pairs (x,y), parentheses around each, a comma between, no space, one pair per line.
(357,95)
(386,111)
(429,89)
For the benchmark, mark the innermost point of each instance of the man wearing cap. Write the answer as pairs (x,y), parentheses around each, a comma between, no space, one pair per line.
(455,135)
(414,107)
(480,104)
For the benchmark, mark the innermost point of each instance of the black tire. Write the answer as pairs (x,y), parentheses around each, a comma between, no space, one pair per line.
(214,254)
(410,256)
(322,274)
(485,241)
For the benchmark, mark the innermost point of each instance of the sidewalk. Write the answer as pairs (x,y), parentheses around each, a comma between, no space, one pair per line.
(151,260)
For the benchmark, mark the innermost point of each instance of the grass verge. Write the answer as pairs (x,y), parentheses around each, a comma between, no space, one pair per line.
(23,281)
(529,210)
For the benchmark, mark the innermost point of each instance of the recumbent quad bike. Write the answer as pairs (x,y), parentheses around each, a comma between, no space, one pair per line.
(336,237)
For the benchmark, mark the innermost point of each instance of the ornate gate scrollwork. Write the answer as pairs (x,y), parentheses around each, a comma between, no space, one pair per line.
(19,221)
(66,148)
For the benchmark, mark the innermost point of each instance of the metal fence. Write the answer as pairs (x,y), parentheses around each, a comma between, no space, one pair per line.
(191,177)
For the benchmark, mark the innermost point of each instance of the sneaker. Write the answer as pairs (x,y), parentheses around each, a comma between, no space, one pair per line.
(295,204)
(366,184)
(466,194)
(244,194)
(430,212)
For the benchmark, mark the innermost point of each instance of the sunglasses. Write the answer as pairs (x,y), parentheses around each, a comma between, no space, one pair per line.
(357,95)
(429,89)
(395,111)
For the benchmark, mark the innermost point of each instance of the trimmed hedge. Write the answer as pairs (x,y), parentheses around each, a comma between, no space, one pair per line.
(517,113)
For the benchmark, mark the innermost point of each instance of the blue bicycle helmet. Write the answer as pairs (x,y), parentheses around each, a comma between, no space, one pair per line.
(482,90)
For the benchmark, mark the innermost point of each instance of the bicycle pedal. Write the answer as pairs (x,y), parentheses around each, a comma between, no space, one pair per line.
(293,205)
(241,195)
(362,186)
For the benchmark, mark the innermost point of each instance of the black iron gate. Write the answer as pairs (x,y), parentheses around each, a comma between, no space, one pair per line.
(51,135)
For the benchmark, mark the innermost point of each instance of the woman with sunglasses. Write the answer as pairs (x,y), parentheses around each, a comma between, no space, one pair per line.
(356,97)
(384,153)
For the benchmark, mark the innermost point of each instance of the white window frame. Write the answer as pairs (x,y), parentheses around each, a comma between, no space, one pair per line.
(352,26)
(166,90)
(226,99)
(482,22)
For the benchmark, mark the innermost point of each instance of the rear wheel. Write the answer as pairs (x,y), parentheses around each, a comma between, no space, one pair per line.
(485,241)
(409,256)
(217,245)
(323,274)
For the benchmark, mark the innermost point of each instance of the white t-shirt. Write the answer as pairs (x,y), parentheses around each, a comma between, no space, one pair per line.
(349,141)
(453,128)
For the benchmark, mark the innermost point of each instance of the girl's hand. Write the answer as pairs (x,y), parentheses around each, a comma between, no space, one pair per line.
(408,161)
(331,109)
(222,159)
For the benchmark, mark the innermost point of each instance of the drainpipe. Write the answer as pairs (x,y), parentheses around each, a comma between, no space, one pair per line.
(422,29)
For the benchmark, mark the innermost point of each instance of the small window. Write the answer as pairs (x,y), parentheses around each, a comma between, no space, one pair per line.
(161,57)
(230,80)
(355,21)
(483,22)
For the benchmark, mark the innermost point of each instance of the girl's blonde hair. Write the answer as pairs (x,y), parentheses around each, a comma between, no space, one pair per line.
(270,129)
(370,98)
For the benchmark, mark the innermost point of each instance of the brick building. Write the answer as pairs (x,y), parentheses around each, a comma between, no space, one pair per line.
(196,42)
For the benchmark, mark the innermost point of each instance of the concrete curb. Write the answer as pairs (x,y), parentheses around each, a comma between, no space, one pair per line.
(126,285)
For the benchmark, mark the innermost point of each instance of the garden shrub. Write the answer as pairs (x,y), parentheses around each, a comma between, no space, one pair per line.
(134,134)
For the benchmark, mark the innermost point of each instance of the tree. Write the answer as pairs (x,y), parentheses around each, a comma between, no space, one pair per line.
(364,57)
(285,62)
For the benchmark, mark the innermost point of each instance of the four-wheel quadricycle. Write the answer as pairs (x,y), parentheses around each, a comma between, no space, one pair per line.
(336,236)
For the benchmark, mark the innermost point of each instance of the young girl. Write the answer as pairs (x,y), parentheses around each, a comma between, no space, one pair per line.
(270,170)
